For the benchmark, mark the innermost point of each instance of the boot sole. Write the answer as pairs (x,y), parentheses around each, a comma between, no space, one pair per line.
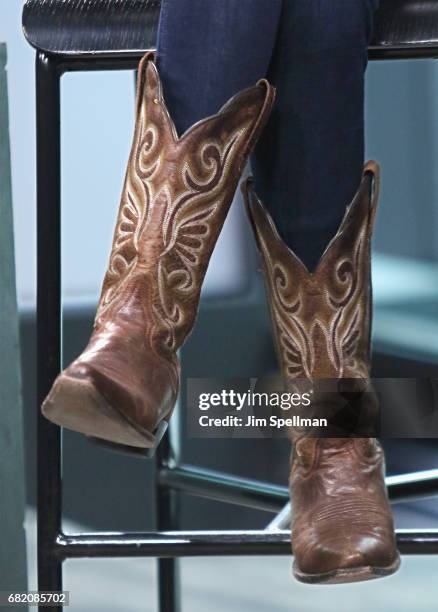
(343,576)
(76,404)
(133,451)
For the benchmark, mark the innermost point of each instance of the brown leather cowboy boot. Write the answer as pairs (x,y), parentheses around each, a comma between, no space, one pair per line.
(342,527)
(176,195)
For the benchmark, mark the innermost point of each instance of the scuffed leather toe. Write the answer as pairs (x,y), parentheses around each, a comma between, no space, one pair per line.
(343,528)
(348,552)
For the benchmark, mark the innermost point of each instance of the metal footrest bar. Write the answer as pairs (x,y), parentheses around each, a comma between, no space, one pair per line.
(266,496)
(412,486)
(282,520)
(209,543)
(225,487)
(401,488)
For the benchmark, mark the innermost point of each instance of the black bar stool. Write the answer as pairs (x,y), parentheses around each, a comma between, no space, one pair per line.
(113,34)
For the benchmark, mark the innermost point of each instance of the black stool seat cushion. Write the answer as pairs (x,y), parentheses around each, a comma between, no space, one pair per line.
(404,28)
(87,26)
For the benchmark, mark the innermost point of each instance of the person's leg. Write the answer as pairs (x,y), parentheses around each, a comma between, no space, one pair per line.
(209,50)
(308,163)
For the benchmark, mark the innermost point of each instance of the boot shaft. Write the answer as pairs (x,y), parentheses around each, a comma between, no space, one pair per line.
(321,319)
(176,195)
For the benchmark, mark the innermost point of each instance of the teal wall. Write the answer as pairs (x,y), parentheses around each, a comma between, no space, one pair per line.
(12,486)
(402,133)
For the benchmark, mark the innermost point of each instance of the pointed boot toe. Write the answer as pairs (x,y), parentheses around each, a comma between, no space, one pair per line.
(113,399)
(345,559)
(76,404)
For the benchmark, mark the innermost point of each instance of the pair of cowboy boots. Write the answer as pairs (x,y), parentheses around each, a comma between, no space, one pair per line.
(123,387)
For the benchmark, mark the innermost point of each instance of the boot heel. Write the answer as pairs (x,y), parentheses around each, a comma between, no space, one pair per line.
(134,451)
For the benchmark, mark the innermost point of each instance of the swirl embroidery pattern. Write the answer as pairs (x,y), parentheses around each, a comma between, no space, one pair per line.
(320,319)
(176,195)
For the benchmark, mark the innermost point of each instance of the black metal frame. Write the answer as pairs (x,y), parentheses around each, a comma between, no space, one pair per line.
(167,544)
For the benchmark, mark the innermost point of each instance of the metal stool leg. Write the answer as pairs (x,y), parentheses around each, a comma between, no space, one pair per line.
(48,317)
(167,512)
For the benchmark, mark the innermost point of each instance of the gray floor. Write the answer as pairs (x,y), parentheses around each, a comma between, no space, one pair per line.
(252,584)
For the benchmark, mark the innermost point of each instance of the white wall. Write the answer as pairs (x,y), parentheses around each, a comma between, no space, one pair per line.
(97,121)
(22,134)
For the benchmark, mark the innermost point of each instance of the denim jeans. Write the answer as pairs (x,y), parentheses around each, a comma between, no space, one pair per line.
(308,163)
